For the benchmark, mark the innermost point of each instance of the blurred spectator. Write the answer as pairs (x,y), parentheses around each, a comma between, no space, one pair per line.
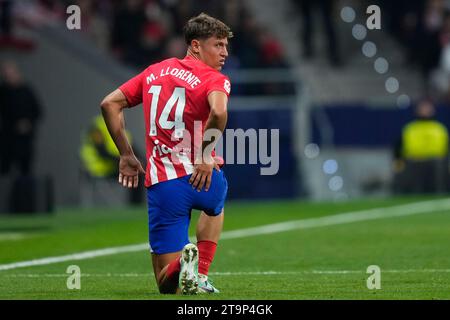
(99,154)
(402,19)
(176,47)
(180,10)
(421,154)
(36,13)
(100,157)
(272,55)
(93,23)
(127,29)
(326,9)
(423,27)
(245,43)
(7,37)
(417,24)
(232,13)
(428,45)
(154,31)
(19,113)
(155,34)
(5,18)
(141,32)
(440,77)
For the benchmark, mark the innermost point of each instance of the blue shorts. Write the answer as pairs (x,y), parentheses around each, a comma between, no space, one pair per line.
(169,209)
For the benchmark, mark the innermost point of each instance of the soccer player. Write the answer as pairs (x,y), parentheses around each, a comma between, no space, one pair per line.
(182,100)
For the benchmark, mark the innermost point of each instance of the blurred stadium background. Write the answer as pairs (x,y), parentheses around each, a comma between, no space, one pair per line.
(297,66)
(339,92)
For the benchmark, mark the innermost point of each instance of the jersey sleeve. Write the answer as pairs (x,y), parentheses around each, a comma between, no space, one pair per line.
(132,89)
(219,83)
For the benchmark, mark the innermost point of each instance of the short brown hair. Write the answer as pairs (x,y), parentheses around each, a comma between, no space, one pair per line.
(204,26)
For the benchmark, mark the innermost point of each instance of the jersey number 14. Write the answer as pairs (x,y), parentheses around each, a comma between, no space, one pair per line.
(177,98)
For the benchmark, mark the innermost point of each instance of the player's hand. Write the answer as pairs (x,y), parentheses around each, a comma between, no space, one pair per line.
(219,162)
(202,173)
(129,169)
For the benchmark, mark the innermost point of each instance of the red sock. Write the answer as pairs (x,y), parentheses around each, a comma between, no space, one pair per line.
(206,249)
(173,270)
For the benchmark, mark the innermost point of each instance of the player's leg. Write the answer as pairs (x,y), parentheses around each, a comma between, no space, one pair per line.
(166,268)
(168,234)
(181,274)
(209,226)
(209,229)
(208,233)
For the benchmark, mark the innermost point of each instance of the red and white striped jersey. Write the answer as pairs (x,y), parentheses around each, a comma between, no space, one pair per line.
(174,94)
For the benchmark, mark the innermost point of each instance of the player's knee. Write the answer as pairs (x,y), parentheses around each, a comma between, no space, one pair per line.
(219,214)
(216,212)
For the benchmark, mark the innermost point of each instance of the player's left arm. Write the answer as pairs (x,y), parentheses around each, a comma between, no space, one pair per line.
(217,119)
(129,166)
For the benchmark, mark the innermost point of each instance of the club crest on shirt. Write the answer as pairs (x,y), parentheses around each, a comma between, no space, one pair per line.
(227,86)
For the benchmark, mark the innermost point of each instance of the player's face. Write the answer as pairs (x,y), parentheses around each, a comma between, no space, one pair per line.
(213,52)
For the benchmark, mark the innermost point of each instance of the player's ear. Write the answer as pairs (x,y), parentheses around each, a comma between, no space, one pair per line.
(195,45)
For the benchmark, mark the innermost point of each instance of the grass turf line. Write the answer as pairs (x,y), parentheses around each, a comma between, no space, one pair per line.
(414,242)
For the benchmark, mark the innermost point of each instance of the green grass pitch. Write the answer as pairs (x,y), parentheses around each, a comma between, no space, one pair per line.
(324,262)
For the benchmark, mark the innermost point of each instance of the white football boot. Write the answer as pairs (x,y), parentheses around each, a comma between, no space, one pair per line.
(188,280)
(205,285)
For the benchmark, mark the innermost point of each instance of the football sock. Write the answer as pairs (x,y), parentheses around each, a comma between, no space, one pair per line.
(207,250)
(174,268)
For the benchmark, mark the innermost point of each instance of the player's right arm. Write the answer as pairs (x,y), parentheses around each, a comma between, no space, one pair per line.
(129,166)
